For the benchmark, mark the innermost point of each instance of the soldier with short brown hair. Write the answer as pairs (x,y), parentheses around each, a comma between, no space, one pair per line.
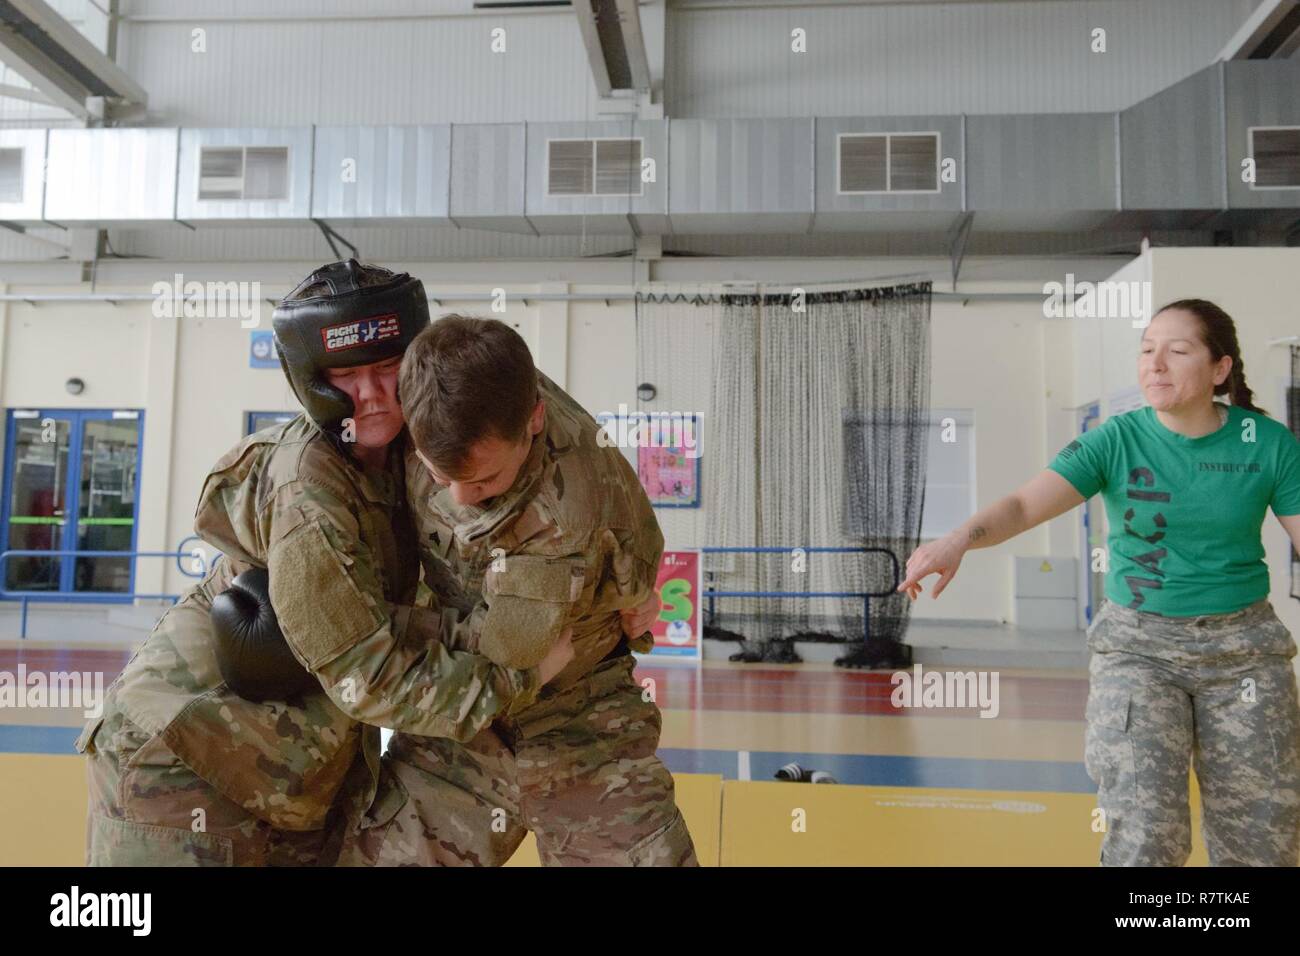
(542,527)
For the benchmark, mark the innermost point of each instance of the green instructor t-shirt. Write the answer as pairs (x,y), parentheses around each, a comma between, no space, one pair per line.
(1185,513)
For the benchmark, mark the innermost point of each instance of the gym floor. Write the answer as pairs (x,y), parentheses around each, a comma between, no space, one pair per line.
(914,786)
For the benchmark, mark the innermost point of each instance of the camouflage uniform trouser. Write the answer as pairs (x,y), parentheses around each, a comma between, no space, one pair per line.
(1216,692)
(142,812)
(581,773)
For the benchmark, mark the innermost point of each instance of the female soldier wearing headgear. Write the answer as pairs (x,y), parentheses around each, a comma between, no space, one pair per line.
(1189,665)
(311,519)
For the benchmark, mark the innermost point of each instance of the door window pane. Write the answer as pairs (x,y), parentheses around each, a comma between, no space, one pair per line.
(107,504)
(37,498)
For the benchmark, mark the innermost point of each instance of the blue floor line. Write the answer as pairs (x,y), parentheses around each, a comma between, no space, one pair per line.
(957,773)
(26,739)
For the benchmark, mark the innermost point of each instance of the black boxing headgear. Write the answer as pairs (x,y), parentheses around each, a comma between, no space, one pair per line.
(343,315)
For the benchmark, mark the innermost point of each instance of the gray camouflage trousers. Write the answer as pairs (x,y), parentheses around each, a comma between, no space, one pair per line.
(1216,693)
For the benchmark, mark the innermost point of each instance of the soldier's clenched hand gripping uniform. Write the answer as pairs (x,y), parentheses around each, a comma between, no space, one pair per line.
(182,770)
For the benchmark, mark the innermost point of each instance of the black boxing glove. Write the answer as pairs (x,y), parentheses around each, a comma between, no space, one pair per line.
(252,654)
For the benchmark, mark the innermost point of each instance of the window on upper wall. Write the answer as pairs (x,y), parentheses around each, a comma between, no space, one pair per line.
(244,172)
(593,167)
(11,174)
(887,163)
(1276,152)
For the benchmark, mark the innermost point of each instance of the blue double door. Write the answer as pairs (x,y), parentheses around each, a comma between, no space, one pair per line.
(71,483)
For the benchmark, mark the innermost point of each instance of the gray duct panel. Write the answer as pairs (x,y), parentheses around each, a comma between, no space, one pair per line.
(1041,172)
(111,176)
(1018,172)
(836,212)
(372,175)
(25,211)
(297,204)
(487,176)
(742,175)
(1259,93)
(1171,148)
(598,214)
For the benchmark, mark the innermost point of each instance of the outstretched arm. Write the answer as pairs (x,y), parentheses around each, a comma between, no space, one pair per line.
(1043,497)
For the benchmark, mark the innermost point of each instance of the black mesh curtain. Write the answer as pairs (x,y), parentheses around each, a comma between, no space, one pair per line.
(822,420)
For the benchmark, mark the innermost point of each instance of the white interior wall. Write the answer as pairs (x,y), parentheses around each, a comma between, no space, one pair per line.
(192,379)
(1022,374)
(987,356)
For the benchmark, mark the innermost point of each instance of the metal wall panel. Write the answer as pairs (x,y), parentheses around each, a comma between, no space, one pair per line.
(1030,169)
(297,205)
(488,164)
(351,65)
(368,173)
(743,175)
(1171,147)
(111,175)
(937,58)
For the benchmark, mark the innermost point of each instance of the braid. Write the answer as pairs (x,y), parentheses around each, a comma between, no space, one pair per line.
(1242,396)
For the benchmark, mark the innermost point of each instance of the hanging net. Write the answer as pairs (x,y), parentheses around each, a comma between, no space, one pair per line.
(815,417)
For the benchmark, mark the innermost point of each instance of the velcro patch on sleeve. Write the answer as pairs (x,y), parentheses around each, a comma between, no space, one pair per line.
(321,610)
(529,601)
(518,632)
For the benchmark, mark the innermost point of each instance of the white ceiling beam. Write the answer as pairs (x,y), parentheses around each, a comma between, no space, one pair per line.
(1263,20)
(55,58)
(591,41)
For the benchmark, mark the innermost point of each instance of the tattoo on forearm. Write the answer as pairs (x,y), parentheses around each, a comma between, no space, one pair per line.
(976,533)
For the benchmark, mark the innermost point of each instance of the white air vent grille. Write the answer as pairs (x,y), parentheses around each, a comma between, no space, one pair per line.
(1276,151)
(888,163)
(570,167)
(244,172)
(593,167)
(864,164)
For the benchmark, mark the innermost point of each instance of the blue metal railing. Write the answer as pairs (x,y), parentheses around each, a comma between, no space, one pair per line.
(92,597)
(866,596)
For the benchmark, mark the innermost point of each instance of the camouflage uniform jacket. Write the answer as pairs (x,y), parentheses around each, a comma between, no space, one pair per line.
(572,542)
(338,545)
